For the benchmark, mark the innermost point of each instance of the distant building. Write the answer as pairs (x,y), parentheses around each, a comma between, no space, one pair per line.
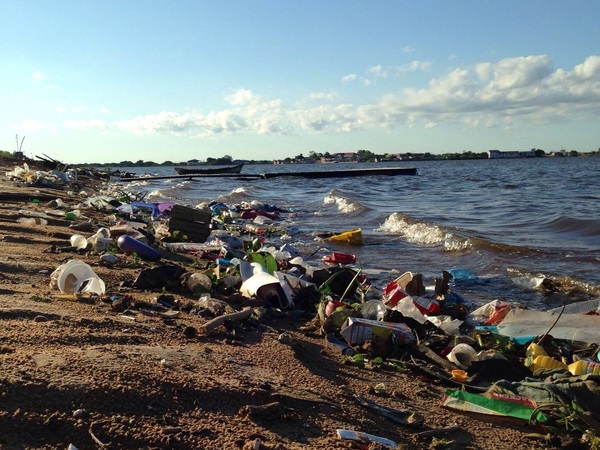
(345,157)
(498,154)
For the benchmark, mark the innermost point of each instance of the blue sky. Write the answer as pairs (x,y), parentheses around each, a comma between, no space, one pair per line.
(108,81)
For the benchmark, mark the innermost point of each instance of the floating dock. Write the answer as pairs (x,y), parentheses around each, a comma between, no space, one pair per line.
(372,171)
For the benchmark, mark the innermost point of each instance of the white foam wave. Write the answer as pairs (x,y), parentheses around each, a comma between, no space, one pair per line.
(454,243)
(413,231)
(343,204)
(419,232)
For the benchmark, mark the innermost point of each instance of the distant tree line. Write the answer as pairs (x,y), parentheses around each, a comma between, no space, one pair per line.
(313,157)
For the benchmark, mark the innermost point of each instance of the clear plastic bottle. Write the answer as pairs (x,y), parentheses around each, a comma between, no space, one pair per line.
(32,221)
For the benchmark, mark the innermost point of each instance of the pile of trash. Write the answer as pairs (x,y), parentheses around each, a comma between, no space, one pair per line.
(501,358)
(47,178)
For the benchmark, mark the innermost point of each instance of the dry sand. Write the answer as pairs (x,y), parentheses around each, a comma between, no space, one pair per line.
(78,372)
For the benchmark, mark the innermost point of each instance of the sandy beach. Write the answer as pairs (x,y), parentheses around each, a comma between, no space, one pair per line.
(79,372)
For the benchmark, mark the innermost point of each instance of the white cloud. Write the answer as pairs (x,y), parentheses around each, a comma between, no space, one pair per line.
(349,78)
(520,72)
(60,109)
(505,93)
(78,109)
(320,96)
(242,97)
(415,66)
(377,71)
(37,75)
(407,49)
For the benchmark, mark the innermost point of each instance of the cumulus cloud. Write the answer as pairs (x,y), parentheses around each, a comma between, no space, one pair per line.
(517,72)
(407,49)
(348,78)
(37,75)
(489,94)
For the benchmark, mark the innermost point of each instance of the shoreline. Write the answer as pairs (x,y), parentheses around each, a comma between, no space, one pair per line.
(78,371)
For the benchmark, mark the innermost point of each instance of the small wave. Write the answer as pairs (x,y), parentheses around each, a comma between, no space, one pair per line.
(581,227)
(238,194)
(181,186)
(416,232)
(344,204)
(452,240)
(455,243)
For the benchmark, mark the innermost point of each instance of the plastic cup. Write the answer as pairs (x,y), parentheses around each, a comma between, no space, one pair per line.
(77,276)
(79,241)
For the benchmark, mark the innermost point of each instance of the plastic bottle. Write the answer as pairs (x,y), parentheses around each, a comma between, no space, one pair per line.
(131,245)
(546,362)
(584,366)
(29,213)
(32,221)
(535,350)
(373,309)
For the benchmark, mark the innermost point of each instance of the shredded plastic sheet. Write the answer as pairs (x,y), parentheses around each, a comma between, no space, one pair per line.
(493,403)
(526,322)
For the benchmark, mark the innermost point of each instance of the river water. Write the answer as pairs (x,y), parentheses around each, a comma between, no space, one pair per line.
(510,223)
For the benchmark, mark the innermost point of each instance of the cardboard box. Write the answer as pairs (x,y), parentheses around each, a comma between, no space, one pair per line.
(357,331)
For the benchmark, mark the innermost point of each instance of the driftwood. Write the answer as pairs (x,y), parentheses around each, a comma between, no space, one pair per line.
(218,321)
(434,357)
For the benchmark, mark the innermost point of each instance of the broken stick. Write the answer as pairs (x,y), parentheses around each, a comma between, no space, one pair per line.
(218,321)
